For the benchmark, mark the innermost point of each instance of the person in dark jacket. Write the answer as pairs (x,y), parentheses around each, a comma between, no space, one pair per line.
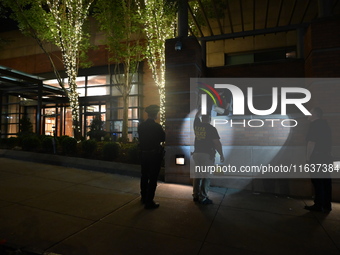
(207,142)
(151,135)
(319,146)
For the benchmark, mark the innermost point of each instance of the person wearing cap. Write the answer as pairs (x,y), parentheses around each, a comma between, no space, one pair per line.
(207,142)
(151,135)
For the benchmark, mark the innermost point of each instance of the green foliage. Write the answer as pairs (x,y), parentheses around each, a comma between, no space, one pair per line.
(9,143)
(129,153)
(120,22)
(123,139)
(12,142)
(31,143)
(60,23)
(25,127)
(25,131)
(107,137)
(3,143)
(212,9)
(57,22)
(110,151)
(48,144)
(61,138)
(88,147)
(27,13)
(69,146)
(158,18)
(97,129)
(133,154)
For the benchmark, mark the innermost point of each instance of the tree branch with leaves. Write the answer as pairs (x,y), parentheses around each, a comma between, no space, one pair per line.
(120,22)
(158,19)
(61,23)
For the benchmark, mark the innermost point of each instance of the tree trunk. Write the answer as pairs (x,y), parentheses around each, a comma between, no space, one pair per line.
(74,104)
(125,118)
(161,90)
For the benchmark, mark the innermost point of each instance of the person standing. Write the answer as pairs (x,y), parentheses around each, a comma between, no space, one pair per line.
(151,135)
(207,142)
(319,146)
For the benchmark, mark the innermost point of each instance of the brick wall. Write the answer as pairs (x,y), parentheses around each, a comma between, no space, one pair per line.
(266,135)
(322,51)
(247,145)
(39,63)
(150,90)
(322,48)
(180,67)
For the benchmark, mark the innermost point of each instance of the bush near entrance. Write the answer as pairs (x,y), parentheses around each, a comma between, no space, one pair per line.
(68,146)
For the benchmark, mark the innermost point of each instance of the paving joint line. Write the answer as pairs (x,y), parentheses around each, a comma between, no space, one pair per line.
(212,222)
(88,226)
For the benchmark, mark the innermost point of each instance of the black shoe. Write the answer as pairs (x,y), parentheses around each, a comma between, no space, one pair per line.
(327,209)
(314,208)
(151,205)
(206,201)
(195,199)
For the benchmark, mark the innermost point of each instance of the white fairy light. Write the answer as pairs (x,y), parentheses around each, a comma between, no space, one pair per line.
(157,28)
(69,17)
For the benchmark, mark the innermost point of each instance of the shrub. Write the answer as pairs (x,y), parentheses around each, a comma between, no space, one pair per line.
(97,129)
(4,143)
(9,143)
(129,153)
(61,138)
(123,140)
(107,137)
(12,142)
(133,153)
(98,154)
(60,142)
(48,144)
(69,146)
(31,143)
(88,147)
(110,151)
(25,127)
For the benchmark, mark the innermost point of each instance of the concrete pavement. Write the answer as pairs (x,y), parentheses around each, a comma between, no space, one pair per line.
(50,209)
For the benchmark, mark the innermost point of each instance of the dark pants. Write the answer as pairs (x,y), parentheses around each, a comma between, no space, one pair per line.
(322,182)
(150,166)
(323,192)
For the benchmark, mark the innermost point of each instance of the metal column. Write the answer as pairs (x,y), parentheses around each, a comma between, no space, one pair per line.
(325,8)
(39,106)
(182,17)
(300,34)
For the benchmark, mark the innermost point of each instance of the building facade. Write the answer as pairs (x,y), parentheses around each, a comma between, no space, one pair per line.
(237,39)
(22,60)
(257,39)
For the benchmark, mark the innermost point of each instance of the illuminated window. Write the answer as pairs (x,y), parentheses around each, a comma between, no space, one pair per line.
(96,80)
(91,88)
(98,91)
(55,83)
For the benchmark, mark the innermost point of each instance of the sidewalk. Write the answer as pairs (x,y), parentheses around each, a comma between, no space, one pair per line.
(50,209)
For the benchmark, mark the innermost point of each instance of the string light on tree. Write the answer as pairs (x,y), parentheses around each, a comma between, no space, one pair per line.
(158,24)
(66,20)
